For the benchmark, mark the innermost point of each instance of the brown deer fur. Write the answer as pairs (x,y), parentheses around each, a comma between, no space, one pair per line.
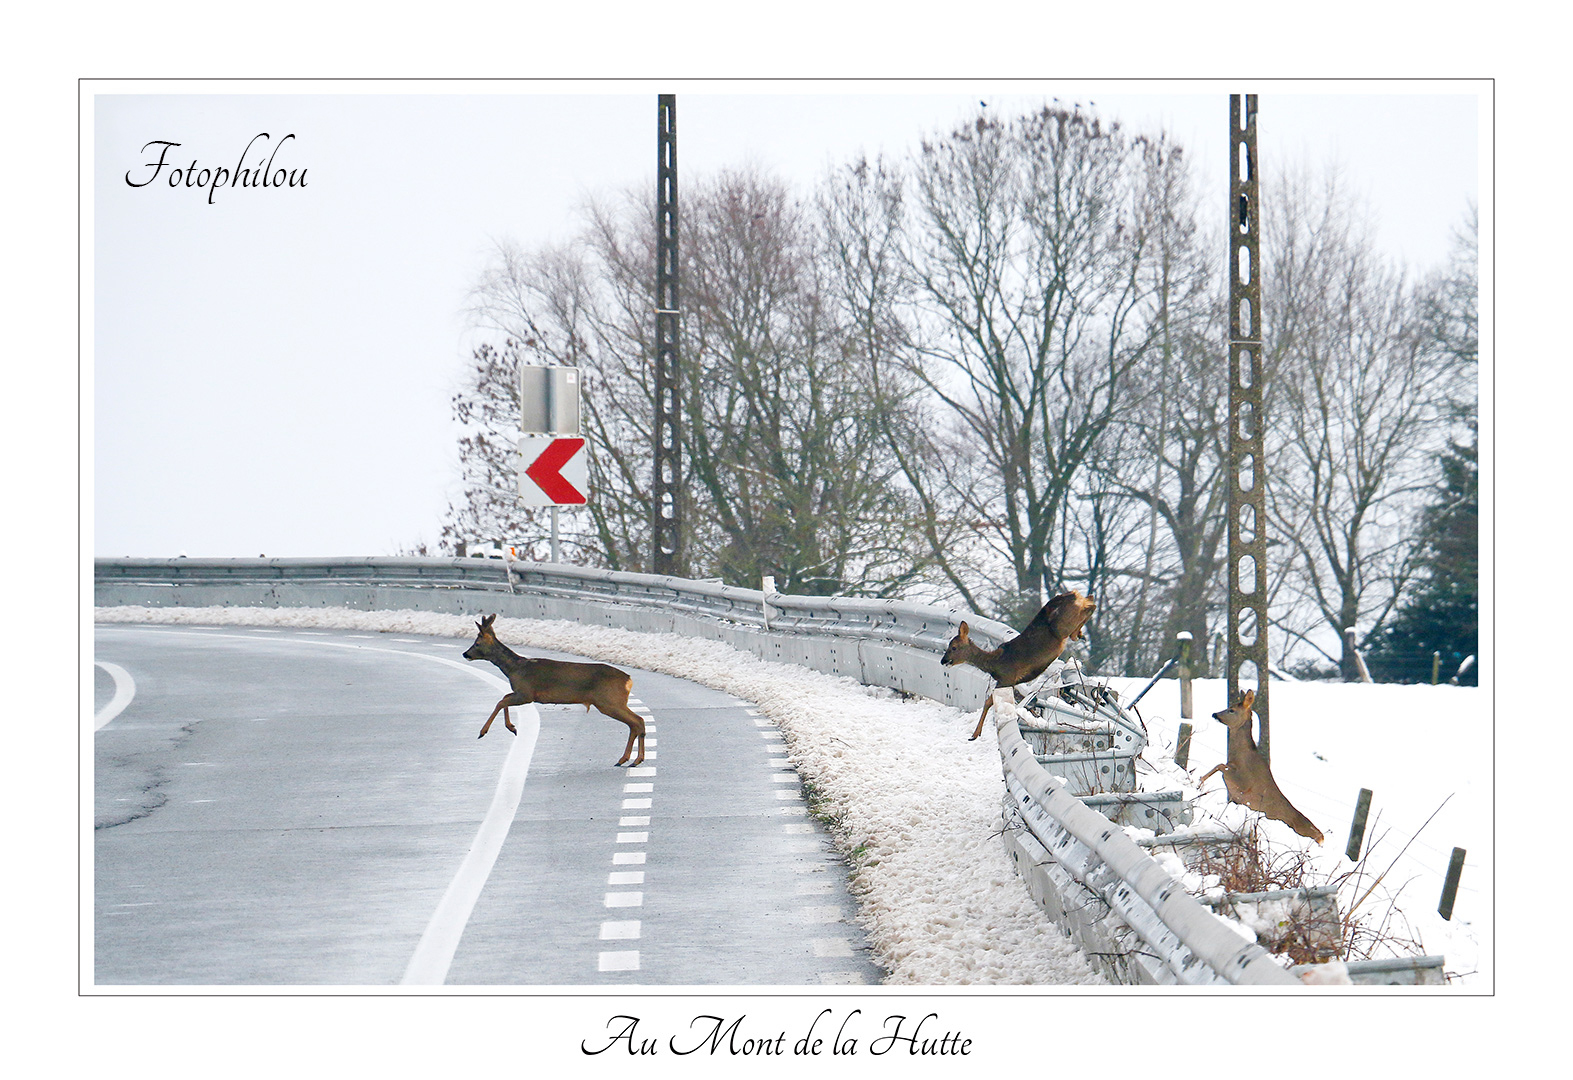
(1026,656)
(558,682)
(1246,775)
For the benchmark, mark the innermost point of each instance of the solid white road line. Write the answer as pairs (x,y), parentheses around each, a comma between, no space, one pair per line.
(429,965)
(125,690)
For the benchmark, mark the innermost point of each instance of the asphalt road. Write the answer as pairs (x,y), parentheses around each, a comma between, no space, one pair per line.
(314,808)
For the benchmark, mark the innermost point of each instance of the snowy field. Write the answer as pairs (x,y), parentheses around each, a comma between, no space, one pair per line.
(918,805)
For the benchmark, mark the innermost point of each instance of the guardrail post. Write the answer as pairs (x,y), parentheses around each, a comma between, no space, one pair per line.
(1184,638)
(1357,825)
(1182,747)
(1455,870)
(1436,667)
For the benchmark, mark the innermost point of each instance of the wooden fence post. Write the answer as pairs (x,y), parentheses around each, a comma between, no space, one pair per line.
(1455,870)
(1357,826)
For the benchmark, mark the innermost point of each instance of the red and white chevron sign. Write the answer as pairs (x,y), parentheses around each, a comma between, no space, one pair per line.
(554,470)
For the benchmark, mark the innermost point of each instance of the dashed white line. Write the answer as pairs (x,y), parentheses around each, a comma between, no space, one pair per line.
(818,915)
(628,960)
(620,961)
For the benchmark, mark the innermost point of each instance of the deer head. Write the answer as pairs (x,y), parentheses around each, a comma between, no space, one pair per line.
(956,650)
(483,640)
(1239,714)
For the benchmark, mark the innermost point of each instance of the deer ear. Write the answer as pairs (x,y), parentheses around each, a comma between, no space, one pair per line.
(1248,699)
(961,631)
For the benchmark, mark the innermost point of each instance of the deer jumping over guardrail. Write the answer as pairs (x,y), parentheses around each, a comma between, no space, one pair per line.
(1246,774)
(1026,656)
(557,682)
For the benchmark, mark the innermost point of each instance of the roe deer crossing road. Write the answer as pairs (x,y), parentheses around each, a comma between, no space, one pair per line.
(290,807)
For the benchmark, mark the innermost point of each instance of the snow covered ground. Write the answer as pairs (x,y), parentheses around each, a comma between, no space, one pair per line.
(1418,748)
(918,804)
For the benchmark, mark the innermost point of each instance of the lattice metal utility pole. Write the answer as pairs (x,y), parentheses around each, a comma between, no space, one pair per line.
(1247,468)
(667,531)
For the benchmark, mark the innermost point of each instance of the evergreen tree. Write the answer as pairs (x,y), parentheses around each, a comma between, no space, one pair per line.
(1442,613)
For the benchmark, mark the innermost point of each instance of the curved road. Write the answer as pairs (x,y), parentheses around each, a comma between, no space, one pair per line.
(300,807)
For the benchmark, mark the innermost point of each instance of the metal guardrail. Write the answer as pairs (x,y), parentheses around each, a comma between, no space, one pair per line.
(1056,836)
(1062,847)
(888,620)
(888,643)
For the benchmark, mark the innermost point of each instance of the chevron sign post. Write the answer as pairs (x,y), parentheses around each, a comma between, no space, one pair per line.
(554,470)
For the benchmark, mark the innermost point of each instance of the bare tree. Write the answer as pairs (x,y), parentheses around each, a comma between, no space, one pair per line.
(1025,321)
(1167,448)
(1356,389)
(786,443)
(862,208)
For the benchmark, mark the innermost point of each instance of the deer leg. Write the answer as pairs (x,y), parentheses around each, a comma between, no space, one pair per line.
(635,724)
(502,707)
(1216,768)
(979,729)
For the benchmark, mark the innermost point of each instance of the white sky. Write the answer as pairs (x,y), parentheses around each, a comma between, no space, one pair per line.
(272,373)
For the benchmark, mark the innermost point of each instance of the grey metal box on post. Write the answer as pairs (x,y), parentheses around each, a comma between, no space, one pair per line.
(549,400)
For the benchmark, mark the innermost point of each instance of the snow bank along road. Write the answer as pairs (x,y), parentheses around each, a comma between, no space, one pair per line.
(279,805)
